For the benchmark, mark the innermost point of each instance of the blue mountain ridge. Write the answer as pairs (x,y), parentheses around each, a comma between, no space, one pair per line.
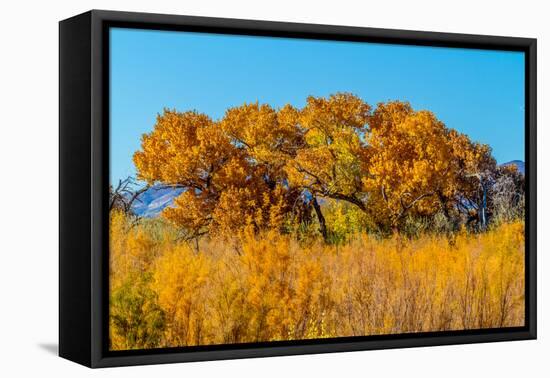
(155,199)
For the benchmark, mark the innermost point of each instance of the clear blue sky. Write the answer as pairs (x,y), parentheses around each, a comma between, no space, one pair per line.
(477,92)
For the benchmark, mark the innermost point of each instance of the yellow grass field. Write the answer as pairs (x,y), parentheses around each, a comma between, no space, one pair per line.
(271,287)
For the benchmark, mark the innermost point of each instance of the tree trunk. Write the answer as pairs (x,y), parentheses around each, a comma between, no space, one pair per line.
(321,218)
(483,209)
(443,201)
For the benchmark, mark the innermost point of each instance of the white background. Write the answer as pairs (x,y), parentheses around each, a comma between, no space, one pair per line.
(29,187)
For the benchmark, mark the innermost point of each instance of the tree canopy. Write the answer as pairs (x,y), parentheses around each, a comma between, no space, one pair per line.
(262,168)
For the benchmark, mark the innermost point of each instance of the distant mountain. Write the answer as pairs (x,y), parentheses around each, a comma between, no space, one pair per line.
(520,165)
(151,202)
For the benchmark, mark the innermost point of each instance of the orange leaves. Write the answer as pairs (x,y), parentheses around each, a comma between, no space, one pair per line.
(272,287)
(235,172)
(330,161)
(339,111)
(253,125)
(268,136)
(192,210)
(223,183)
(416,165)
(236,209)
(174,151)
(179,279)
(242,207)
(390,163)
(252,181)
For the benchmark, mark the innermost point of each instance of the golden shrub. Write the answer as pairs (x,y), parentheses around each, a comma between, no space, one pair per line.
(268,286)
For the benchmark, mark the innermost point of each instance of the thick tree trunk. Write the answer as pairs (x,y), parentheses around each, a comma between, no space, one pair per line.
(321,218)
(443,201)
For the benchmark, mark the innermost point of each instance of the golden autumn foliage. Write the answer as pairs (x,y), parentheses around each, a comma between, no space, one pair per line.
(417,165)
(329,162)
(273,287)
(337,219)
(391,162)
(224,188)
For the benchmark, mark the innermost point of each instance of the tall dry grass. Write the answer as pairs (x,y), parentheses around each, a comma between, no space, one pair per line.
(271,287)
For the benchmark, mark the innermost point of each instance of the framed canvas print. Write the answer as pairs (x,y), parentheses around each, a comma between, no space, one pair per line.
(233,188)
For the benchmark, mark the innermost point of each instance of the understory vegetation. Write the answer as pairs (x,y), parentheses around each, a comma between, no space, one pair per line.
(271,287)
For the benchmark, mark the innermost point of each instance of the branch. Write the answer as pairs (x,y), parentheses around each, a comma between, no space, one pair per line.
(384,194)
(351,199)
(135,196)
(405,208)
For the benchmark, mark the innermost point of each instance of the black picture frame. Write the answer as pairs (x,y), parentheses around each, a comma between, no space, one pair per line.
(84,172)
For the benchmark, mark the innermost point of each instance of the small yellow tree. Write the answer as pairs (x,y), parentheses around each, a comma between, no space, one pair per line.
(330,162)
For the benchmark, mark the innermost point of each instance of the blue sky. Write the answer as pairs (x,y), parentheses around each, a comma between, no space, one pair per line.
(477,92)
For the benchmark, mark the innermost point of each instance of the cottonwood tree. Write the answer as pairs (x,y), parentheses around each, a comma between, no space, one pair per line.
(258,166)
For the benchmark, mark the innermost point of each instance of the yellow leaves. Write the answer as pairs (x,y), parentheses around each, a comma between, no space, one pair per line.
(133,248)
(192,210)
(273,288)
(260,273)
(344,220)
(238,208)
(234,211)
(341,110)
(226,168)
(180,279)
(251,124)
(268,136)
(390,163)
(330,161)
(235,172)
(173,151)
(414,162)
